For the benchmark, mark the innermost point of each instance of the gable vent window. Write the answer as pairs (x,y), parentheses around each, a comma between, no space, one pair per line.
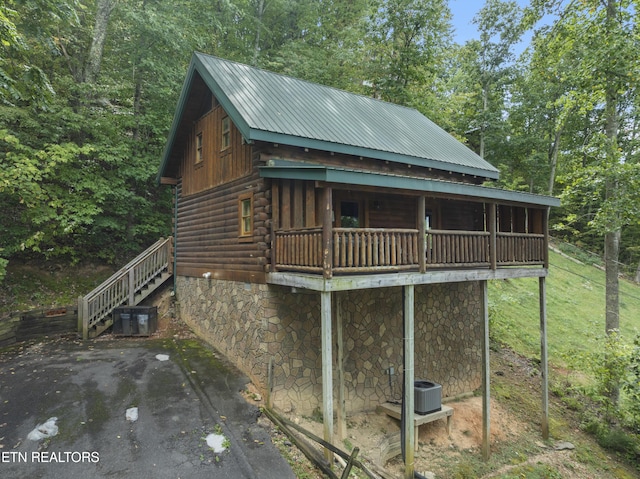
(226,133)
(245,208)
(199,148)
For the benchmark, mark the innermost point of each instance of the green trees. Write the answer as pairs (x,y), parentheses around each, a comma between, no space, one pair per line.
(87,92)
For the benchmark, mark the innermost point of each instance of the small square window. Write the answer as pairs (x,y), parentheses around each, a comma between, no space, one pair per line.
(199,156)
(245,215)
(226,133)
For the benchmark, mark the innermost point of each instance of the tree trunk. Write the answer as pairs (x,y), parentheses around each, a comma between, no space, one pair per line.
(555,150)
(612,237)
(103,13)
(637,278)
(611,253)
(260,7)
(485,107)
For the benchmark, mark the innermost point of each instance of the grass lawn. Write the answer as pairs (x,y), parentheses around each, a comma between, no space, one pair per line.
(575,310)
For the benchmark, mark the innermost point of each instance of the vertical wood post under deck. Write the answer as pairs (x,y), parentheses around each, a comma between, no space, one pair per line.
(341,407)
(409,378)
(486,389)
(544,368)
(493,247)
(327,372)
(422,234)
(327,222)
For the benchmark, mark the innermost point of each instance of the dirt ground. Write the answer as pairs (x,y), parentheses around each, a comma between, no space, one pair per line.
(516,441)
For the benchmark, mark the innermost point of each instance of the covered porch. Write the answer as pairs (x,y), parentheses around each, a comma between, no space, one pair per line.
(334,221)
(337,229)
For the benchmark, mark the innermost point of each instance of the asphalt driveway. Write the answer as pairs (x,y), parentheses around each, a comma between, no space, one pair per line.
(188,407)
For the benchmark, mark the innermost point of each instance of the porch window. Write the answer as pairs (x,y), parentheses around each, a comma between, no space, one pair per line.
(245,209)
(349,214)
(226,133)
(199,156)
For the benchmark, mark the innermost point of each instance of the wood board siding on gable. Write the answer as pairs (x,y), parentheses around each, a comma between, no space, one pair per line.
(208,205)
(219,165)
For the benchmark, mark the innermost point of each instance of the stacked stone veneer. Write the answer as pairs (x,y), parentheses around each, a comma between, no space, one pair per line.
(251,323)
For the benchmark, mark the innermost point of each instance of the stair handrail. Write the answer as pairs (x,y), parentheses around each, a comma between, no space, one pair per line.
(90,313)
(125,269)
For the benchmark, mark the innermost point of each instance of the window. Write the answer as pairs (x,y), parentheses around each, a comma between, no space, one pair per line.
(349,214)
(245,218)
(199,148)
(226,133)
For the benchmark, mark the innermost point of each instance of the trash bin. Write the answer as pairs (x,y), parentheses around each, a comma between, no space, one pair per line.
(135,320)
(143,324)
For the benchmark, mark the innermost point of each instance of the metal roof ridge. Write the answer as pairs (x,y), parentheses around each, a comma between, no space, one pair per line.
(309,82)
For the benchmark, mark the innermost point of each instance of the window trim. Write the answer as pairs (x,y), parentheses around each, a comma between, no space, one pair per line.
(199,149)
(245,234)
(225,141)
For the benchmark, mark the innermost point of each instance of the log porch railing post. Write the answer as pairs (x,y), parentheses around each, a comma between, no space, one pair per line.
(422,235)
(491,219)
(327,222)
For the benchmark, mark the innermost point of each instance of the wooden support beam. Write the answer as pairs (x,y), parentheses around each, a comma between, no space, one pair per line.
(486,394)
(409,379)
(341,405)
(545,230)
(327,371)
(422,234)
(544,367)
(327,240)
(493,241)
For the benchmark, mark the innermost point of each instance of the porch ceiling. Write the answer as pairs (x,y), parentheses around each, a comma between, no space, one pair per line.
(285,169)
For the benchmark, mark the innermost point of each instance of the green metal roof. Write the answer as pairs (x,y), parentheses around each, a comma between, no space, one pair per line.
(286,169)
(266,106)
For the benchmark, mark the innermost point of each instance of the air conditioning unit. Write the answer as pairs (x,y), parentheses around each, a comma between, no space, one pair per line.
(427,397)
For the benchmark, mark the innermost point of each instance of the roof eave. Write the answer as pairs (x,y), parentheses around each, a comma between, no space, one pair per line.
(281,139)
(425,185)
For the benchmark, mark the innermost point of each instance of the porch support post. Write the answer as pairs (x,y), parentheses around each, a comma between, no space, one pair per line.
(327,372)
(545,230)
(409,378)
(341,409)
(327,222)
(422,232)
(486,393)
(544,368)
(491,219)
(275,222)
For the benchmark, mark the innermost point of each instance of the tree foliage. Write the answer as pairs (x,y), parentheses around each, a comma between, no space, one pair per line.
(86,100)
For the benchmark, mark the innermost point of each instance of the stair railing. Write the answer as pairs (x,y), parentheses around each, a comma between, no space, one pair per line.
(121,288)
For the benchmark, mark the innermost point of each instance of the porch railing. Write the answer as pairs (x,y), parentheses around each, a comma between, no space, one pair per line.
(520,248)
(457,248)
(374,249)
(361,250)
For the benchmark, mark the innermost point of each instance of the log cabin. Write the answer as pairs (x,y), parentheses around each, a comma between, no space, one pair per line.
(327,242)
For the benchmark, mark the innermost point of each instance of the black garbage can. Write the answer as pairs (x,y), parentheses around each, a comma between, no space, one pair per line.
(135,320)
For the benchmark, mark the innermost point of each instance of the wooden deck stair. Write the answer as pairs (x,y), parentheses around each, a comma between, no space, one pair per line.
(129,286)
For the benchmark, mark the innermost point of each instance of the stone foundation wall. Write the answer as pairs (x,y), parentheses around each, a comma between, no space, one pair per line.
(250,323)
